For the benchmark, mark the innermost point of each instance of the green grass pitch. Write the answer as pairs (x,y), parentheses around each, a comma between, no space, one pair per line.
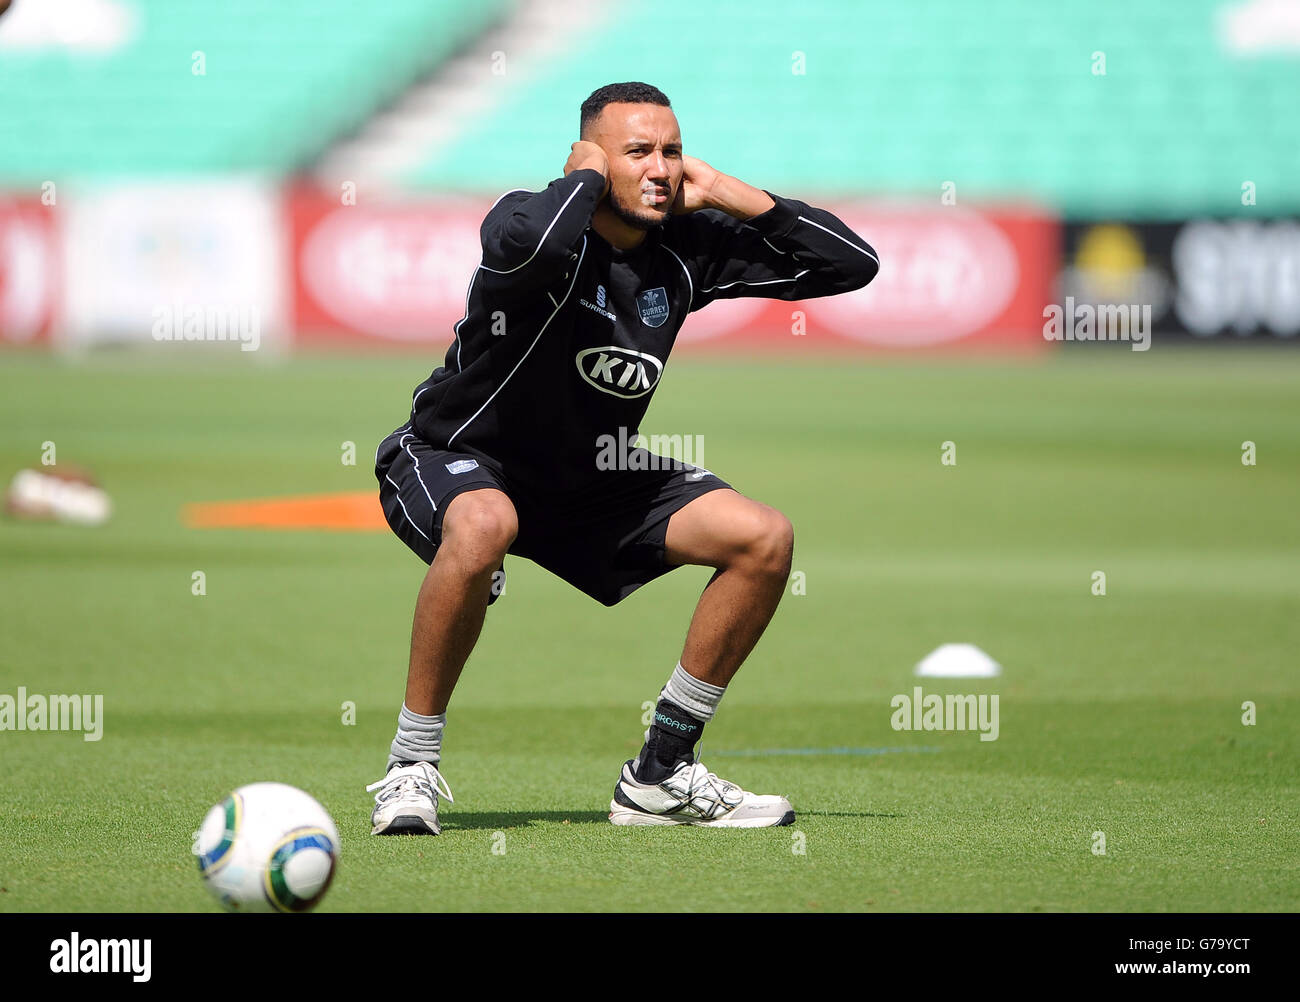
(1119,713)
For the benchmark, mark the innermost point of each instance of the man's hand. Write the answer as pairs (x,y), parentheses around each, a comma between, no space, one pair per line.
(588,156)
(703,187)
(698,179)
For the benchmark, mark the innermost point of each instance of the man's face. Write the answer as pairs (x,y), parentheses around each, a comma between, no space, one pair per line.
(643,144)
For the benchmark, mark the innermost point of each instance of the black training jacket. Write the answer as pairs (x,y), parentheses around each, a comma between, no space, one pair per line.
(565,337)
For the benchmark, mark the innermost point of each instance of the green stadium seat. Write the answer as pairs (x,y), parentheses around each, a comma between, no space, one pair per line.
(998,96)
(274,96)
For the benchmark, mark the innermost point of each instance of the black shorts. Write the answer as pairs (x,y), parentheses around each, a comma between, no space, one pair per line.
(606,541)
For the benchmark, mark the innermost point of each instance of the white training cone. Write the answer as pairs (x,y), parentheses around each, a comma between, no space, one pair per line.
(958,661)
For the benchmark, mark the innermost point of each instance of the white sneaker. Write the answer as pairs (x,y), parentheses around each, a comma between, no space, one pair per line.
(407,801)
(694,796)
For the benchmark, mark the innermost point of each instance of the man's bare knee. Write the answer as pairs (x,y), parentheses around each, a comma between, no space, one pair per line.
(770,548)
(756,539)
(478,528)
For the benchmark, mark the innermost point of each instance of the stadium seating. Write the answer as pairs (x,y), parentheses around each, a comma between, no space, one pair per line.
(1000,97)
(282,80)
(1003,98)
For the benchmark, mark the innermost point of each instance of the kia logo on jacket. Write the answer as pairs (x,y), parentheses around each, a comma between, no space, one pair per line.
(619,371)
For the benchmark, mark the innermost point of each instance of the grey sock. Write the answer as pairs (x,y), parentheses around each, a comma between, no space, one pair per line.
(699,698)
(419,738)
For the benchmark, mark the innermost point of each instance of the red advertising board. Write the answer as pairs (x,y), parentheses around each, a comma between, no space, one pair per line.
(949,277)
(397,274)
(29,270)
(394,273)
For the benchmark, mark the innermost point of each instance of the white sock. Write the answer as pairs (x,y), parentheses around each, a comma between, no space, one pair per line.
(419,738)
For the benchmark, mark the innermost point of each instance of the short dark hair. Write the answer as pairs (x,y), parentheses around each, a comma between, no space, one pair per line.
(619,93)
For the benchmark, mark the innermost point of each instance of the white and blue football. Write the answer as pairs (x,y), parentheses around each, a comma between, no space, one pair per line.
(267,847)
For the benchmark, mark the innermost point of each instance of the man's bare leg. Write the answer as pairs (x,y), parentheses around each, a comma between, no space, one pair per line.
(751,545)
(477,529)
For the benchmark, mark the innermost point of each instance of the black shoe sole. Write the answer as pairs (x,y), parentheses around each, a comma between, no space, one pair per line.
(407,825)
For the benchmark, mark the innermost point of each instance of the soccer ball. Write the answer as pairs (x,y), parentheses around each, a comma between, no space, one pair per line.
(267,847)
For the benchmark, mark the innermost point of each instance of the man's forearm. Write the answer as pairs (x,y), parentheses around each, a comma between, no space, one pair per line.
(738,199)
